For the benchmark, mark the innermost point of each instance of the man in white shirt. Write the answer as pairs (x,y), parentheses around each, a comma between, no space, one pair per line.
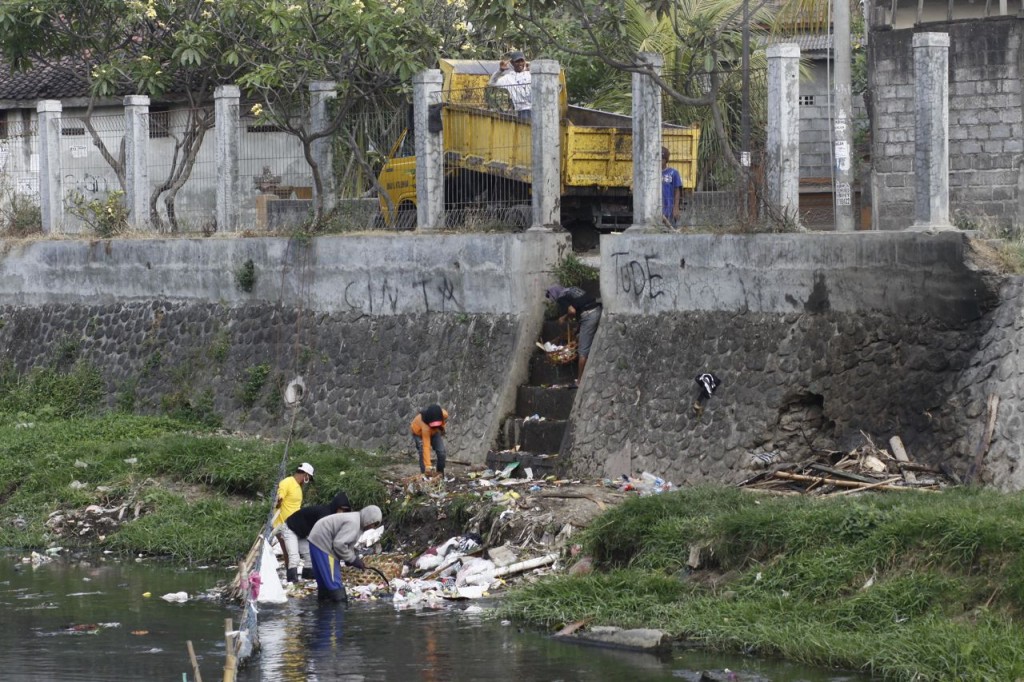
(516,80)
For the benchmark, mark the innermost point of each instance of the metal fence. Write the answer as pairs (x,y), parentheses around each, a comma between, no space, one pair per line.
(488,162)
(729,189)
(90,183)
(19,177)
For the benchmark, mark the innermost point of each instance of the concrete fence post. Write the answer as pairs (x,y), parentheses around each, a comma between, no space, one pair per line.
(136,160)
(51,183)
(426,93)
(225,109)
(783,143)
(547,144)
(647,145)
(320,93)
(931,131)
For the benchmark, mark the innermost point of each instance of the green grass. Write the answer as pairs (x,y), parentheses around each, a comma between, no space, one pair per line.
(787,577)
(204,496)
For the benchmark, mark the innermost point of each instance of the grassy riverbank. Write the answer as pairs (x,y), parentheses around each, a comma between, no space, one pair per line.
(910,586)
(187,492)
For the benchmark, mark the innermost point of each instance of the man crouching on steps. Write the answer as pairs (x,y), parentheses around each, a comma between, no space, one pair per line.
(332,542)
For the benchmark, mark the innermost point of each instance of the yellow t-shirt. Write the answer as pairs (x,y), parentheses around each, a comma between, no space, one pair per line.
(290,493)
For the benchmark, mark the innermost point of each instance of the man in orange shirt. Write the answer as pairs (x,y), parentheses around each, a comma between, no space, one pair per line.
(428,436)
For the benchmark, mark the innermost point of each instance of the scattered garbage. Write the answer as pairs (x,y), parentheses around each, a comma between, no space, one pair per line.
(175,597)
(646,484)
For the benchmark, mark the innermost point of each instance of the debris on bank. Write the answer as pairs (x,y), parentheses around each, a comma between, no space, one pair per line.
(867,467)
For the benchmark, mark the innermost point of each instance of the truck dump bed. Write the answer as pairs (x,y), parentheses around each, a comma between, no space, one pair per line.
(597,146)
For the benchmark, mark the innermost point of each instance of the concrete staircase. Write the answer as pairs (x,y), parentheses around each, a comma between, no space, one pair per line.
(533,435)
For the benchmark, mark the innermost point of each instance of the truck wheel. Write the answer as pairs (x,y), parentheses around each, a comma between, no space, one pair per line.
(405,217)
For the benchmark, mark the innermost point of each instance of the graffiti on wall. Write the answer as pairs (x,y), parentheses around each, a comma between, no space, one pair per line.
(638,275)
(375,294)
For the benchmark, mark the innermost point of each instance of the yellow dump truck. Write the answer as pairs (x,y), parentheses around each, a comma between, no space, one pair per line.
(487,158)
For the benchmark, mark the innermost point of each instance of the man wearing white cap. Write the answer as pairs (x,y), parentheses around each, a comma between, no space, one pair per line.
(289,499)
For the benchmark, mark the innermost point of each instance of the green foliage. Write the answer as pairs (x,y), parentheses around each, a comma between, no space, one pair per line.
(184,407)
(912,586)
(203,531)
(19,216)
(203,497)
(107,217)
(47,392)
(572,272)
(245,276)
(255,378)
(221,347)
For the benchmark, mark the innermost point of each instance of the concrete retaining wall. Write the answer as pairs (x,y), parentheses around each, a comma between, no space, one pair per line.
(377,327)
(814,337)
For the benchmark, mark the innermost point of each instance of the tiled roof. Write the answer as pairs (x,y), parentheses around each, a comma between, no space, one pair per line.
(810,43)
(40,82)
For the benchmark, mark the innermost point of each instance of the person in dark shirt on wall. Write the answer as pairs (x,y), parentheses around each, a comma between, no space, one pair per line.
(302,521)
(576,303)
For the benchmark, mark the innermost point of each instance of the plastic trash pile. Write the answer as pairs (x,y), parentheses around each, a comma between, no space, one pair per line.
(646,484)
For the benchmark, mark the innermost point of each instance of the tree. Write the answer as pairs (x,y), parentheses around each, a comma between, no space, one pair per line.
(370,48)
(117,47)
(699,40)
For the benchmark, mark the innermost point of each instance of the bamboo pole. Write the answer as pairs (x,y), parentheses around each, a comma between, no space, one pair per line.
(195,662)
(841,484)
(231,651)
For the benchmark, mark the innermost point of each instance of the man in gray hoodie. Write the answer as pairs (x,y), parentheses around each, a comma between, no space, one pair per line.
(332,542)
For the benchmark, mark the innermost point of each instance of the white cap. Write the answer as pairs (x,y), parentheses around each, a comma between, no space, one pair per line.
(306,468)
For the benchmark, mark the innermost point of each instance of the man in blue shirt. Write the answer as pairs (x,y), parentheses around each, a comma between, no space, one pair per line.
(671,189)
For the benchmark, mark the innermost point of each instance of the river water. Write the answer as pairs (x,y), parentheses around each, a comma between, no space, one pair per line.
(89,620)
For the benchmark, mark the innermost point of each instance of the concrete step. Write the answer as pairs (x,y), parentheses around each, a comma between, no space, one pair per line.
(544,373)
(533,436)
(550,403)
(541,465)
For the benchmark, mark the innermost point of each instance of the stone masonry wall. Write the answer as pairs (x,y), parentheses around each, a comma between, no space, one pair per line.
(817,340)
(366,376)
(986,130)
(376,327)
(790,383)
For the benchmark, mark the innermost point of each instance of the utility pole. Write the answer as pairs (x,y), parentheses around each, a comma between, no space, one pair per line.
(842,121)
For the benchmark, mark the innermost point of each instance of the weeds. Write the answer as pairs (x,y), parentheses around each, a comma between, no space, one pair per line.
(255,378)
(107,217)
(910,586)
(245,276)
(572,272)
(204,497)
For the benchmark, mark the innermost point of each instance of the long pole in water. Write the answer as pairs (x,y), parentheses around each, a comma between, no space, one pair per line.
(195,663)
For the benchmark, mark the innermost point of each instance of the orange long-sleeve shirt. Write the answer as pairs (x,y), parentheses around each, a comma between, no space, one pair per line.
(424,431)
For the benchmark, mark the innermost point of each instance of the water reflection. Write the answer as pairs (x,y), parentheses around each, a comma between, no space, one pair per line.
(89,621)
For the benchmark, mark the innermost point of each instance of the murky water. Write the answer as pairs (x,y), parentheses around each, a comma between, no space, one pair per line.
(90,621)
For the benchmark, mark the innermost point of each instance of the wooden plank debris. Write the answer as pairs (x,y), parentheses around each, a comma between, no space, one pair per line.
(901,456)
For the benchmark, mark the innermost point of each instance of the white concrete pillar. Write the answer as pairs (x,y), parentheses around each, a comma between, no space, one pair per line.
(136,160)
(320,93)
(426,92)
(51,182)
(547,145)
(783,143)
(225,109)
(931,131)
(647,145)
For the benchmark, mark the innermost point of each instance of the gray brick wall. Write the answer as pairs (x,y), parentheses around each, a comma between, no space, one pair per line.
(986,130)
